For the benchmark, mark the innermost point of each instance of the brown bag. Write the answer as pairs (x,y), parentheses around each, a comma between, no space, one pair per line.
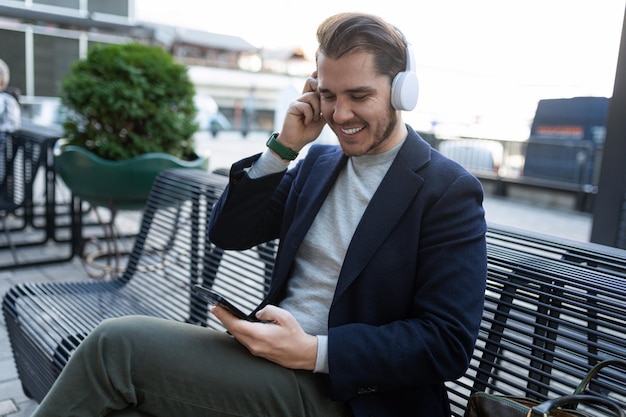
(482,404)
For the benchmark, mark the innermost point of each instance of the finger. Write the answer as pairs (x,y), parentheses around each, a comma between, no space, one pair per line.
(270,313)
(304,110)
(310,85)
(316,105)
(275,315)
(223,315)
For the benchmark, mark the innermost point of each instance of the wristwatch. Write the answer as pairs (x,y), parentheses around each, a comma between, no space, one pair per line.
(281,150)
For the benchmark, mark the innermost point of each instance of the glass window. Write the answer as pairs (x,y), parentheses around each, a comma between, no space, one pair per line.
(114,7)
(72,4)
(53,58)
(15,57)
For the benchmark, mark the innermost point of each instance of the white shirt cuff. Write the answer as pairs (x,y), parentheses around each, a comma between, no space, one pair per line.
(321,362)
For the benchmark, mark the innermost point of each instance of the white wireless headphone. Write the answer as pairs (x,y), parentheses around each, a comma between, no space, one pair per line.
(404,87)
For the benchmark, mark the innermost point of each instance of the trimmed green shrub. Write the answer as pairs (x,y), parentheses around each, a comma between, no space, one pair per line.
(126,100)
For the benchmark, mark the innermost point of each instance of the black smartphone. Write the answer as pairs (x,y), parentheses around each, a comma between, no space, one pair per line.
(215,298)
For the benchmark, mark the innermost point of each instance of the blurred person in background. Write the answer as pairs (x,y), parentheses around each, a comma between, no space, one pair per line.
(10,112)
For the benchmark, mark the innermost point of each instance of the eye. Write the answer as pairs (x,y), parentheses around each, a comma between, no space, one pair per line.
(327,97)
(359,97)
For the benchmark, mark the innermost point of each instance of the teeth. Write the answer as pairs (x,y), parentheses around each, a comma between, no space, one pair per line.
(352,131)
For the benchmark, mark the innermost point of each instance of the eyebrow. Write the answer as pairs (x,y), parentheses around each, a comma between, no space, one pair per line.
(358,90)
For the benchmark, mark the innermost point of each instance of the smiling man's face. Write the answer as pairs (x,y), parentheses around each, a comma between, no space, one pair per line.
(356,104)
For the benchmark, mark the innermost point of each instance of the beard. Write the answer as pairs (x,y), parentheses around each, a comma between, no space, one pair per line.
(381,135)
(384,133)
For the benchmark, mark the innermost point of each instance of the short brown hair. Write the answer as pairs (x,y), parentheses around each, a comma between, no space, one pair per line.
(346,33)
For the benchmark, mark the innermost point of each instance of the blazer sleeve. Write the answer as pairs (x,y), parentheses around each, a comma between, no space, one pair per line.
(253,211)
(249,211)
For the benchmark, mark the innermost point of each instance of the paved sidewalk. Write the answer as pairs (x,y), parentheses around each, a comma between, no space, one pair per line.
(563,223)
(13,403)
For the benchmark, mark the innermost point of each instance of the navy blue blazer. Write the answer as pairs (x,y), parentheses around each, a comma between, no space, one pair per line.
(409,298)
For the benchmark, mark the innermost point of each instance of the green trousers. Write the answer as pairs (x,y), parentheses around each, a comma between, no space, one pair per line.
(141,366)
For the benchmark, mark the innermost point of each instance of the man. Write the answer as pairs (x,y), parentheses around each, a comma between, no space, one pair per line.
(10,111)
(377,291)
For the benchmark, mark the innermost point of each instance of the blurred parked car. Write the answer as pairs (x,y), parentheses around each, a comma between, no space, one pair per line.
(217,123)
(42,111)
(209,117)
(475,155)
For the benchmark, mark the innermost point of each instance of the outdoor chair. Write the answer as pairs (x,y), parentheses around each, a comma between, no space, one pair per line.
(11,184)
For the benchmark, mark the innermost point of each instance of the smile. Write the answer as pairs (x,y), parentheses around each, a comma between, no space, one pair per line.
(353,130)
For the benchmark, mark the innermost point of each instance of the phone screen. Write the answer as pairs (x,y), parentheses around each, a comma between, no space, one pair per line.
(214,298)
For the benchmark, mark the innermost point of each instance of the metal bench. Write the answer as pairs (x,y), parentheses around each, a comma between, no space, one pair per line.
(46,321)
(553,308)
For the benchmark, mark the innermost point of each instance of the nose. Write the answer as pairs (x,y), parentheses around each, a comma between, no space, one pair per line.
(342,111)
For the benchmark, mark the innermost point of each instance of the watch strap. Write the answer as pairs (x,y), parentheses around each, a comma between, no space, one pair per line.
(281,150)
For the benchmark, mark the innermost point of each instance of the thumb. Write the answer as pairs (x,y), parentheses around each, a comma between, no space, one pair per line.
(272,313)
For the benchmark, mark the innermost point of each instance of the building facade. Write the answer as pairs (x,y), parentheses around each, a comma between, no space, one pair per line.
(40,39)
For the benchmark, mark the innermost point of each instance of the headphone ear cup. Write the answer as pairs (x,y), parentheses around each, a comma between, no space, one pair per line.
(404,91)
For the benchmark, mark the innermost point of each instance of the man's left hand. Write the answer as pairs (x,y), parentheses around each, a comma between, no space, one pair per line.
(279,338)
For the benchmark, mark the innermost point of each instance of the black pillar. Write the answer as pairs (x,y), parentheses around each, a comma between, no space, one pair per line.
(609,216)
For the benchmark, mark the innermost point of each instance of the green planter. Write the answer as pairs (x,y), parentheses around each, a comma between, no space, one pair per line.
(118,185)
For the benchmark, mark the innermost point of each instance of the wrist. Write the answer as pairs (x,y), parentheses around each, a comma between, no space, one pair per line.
(310,353)
(281,149)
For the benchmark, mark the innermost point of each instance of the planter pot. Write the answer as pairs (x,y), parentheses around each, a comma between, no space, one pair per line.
(118,185)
